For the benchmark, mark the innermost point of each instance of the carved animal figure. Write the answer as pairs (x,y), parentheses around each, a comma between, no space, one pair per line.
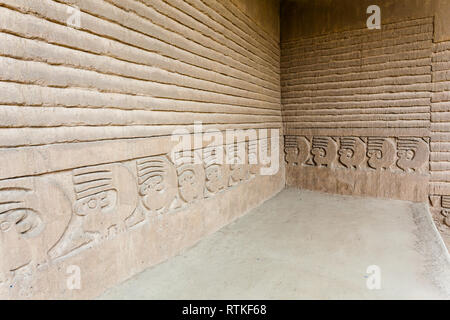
(215,171)
(158,183)
(238,164)
(191,181)
(324,150)
(34,213)
(105,196)
(413,153)
(253,161)
(445,204)
(352,152)
(381,153)
(297,150)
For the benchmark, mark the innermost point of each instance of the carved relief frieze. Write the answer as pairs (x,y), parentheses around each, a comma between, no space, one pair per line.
(55,216)
(216,171)
(352,152)
(157,180)
(440,210)
(238,163)
(191,177)
(381,153)
(402,154)
(412,154)
(34,214)
(104,197)
(324,150)
(297,150)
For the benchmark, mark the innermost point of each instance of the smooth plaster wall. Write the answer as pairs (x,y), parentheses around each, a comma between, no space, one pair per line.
(86,115)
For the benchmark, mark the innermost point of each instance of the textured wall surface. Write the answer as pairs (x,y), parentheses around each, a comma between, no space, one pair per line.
(86,116)
(311,18)
(366,111)
(356,110)
(440,140)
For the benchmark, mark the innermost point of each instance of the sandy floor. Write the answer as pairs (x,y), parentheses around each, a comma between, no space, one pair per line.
(307,245)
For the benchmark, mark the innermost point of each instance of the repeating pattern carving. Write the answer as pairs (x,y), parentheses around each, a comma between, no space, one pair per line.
(216,173)
(297,150)
(324,150)
(381,153)
(236,157)
(412,153)
(440,209)
(157,180)
(44,221)
(405,154)
(191,179)
(352,152)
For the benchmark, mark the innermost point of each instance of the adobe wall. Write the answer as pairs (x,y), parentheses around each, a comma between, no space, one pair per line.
(88,181)
(365,111)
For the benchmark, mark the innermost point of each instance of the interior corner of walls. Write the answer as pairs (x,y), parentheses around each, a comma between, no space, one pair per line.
(265,13)
(442,22)
(354,131)
(89,114)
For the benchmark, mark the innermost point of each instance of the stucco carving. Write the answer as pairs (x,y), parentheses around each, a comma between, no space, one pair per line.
(34,213)
(324,150)
(381,153)
(352,152)
(413,153)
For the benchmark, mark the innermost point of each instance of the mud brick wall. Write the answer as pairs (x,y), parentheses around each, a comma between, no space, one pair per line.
(356,110)
(440,140)
(85,121)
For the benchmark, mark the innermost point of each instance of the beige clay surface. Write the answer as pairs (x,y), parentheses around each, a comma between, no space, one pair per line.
(306,245)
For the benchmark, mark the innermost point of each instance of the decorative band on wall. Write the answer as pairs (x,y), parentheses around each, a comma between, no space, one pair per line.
(50,217)
(405,154)
(386,167)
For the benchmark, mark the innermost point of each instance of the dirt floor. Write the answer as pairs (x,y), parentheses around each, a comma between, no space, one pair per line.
(308,245)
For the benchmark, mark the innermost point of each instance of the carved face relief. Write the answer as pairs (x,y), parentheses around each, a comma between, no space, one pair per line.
(102,202)
(24,222)
(216,178)
(191,182)
(381,153)
(238,164)
(297,150)
(413,153)
(352,152)
(324,150)
(253,161)
(291,154)
(216,172)
(158,182)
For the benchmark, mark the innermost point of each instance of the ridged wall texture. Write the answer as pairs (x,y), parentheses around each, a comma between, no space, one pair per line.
(356,110)
(365,112)
(440,140)
(86,117)
(363,82)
